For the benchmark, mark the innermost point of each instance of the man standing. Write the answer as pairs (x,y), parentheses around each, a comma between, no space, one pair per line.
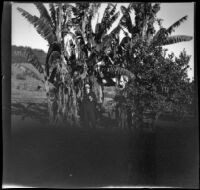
(89,108)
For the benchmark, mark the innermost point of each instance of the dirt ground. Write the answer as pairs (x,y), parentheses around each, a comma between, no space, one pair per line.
(64,157)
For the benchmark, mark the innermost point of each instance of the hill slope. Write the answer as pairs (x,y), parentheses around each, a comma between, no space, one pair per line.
(17,58)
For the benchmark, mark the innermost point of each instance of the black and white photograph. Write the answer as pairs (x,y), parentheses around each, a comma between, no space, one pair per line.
(102,94)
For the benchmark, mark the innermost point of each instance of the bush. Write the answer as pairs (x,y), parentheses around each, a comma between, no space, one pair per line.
(20,77)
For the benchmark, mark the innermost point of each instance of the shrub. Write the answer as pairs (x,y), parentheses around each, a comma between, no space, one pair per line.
(20,77)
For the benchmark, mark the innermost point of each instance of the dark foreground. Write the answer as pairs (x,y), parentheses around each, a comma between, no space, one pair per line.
(73,157)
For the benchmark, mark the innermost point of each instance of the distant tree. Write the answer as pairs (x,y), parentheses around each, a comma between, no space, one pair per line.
(20,77)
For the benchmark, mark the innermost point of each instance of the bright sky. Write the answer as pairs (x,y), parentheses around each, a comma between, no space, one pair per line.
(24,34)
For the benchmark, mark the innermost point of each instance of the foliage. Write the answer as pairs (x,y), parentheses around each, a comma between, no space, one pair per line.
(145,18)
(20,77)
(155,82)
(161,84)
(41,25)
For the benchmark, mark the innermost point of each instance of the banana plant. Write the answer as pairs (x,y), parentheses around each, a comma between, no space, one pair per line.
(74,53)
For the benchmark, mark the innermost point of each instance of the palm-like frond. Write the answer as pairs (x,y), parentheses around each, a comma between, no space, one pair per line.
(125,21)
(52,13)
(121,71)
(41,26)
(156,8)
(43,12)
(158,37)
(67,10)
(53,56)
(109,17)
(91,12)
(113,35)
(53,47)
(45,31)
(31,58)
(112,11)
(112,20)
(79,12)
(67,7)
(112,16)
(57,16)
(124,10)
(115,31)
(93,8)
(84,26)
(75,41)
(108,14)
(176,24)
(176,39)
(133,6)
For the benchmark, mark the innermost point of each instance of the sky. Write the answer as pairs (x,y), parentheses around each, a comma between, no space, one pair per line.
(24,34)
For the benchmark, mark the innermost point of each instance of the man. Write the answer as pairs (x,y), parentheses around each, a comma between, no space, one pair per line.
(89,108)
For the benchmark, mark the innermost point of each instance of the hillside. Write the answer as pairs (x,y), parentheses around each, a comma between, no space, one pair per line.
(27,88)
(26,83)
(17,58)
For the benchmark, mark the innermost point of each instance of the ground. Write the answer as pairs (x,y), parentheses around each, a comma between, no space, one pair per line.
(45,156)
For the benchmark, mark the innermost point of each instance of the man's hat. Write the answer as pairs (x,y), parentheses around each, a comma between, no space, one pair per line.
(87,86)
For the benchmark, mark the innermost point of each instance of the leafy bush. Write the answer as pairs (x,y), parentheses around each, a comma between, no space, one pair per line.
(32,74)
(161,84)
(20,77)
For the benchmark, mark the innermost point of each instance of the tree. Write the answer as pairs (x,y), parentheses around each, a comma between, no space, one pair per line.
(73,55)
(161,85)
(160,82)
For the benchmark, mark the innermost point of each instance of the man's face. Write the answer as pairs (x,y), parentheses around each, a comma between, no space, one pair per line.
(87,90)
(75,73)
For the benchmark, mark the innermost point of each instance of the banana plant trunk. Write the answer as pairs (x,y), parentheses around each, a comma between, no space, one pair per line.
(61,96)
(62,104)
